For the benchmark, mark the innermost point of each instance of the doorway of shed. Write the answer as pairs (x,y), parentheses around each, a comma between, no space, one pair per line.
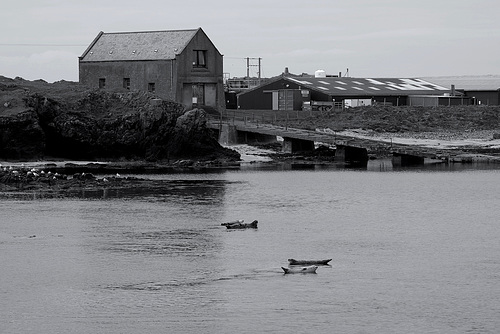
(200,95)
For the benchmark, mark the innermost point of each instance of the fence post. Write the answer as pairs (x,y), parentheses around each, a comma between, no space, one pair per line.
(220,126)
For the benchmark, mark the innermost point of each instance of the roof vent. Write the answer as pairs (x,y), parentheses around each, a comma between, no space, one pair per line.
(156,50)
(111,52)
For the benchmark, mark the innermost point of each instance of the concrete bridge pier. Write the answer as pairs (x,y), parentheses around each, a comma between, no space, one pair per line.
(292,145)
(228,134)
(399,159)
(351,154)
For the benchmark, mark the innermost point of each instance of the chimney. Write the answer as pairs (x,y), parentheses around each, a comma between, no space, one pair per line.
(452,90)
(340,74)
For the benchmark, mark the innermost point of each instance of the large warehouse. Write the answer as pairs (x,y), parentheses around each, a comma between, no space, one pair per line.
(301,93)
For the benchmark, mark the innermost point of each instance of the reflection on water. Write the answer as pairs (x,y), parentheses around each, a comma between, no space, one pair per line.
(207,192)
(198,191)
(375,165)
(207,185)
(386,165)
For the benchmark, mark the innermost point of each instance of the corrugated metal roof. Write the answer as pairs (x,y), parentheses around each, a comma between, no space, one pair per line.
(147,45)
(370,86)
(468,82)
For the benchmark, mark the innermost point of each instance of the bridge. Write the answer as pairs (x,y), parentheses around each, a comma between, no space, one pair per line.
(348,149)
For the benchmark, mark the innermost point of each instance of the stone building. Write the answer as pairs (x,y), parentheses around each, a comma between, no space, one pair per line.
(179,65)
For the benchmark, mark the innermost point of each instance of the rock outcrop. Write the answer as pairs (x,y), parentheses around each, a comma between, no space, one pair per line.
(68,120)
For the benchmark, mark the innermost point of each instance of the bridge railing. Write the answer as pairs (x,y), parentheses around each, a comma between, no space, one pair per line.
(261,116)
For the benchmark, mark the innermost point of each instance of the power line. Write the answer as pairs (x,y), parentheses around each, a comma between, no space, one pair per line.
(31,44)
(241,58)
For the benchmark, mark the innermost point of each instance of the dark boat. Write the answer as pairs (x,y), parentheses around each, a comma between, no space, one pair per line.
(239,224)
(309,262)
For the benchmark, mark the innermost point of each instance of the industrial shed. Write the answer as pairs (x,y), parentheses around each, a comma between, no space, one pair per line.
(179,65)
(479,89)
(289,93)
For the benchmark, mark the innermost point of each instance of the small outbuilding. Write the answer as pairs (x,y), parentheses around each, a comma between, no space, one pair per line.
(323,93)
(179,65)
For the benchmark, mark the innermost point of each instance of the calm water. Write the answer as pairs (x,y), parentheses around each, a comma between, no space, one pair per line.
(415,251)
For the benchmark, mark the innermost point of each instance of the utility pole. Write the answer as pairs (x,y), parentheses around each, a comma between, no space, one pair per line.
(258,65)
(259,68)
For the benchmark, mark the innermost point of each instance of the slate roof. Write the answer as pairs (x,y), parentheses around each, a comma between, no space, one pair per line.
(468,82)
(146,45)
(348,86)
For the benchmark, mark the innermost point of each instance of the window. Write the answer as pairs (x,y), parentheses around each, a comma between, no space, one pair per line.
(126,83)
(151,87)
(102,83)
(200,58)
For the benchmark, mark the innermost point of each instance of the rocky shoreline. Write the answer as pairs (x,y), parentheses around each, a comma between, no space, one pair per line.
(111,133)
(67,179)
(67,120)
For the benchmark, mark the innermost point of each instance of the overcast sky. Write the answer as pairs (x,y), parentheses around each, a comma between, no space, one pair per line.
(42,39)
